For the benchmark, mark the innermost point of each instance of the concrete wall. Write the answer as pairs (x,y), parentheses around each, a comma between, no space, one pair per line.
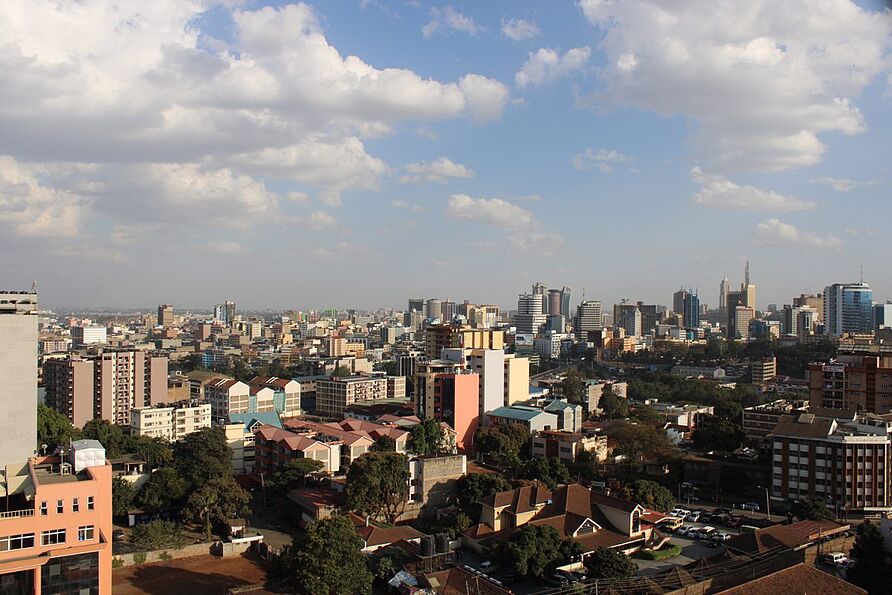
(219,549)
(18,374)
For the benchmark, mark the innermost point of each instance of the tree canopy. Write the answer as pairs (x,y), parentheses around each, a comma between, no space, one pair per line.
(650,494)
(641,441)
(328,560)
(549,471)
(219,499)
(123,494)
(53,429)
(164,488)
(812,509)
(473,487)
(503,445)
(108,434)
(572,386)
(607,563)
(378,485)
(203,455)
(536,550)
(427,437)
(613,406)
(871,569)
(157,535)
(714,433)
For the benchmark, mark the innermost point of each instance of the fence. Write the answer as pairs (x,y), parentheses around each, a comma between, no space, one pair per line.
(219,549)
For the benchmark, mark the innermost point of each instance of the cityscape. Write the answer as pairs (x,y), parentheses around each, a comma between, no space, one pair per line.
(455,298)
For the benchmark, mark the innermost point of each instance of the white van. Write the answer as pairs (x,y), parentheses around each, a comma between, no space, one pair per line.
(836,558)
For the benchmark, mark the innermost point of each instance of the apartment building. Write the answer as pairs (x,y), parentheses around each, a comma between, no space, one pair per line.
(759,421)
(447,392)
(334,395)
(18,371)
(842,462)
(105,384)
(763,370)
(449,336)
(91,334)
(517,379)
(566,446)
(170,423)
(852,381)
(286,394)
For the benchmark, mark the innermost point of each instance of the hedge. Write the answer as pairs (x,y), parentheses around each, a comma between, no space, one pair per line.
(667,551)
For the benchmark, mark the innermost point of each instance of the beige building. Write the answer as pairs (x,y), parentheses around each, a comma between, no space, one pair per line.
(227,395)
(567,445)
(517,379)
(286,394)
(18,371)
(335,346)
(334,395)
(448,336)
(170,423)
(396,387)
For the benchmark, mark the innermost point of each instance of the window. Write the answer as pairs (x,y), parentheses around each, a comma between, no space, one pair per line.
(60,506)
(16,542)
(52,537)
(85,533)
(90,503)
(43,508)
(75,505)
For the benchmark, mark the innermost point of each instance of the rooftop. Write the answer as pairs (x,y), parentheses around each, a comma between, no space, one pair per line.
(516,412)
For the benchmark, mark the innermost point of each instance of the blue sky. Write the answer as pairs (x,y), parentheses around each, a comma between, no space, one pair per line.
(356,153)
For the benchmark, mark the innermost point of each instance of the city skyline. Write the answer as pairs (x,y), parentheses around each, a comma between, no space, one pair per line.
(286,155)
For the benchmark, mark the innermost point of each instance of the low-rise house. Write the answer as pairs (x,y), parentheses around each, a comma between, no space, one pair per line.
(566,446)
(375,538)
(569,416)
(529,417)
(800,542)
(711,372)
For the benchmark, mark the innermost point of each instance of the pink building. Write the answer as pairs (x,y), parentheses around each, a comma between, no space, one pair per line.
(57,539)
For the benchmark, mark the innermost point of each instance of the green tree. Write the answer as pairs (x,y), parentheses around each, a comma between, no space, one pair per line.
(640,441)
(607,563)
(503,445)
(156,452)
(811,509)
(157,535)
(109,435)
(164,488)
(871,569)
(586,466)
(340,372)
(293,473)
(122,496)
(650,494)
(385,443)
(203,455)
(474,487)
(328,560)
(536,550)
(387,563)
(549,471)
(613,406)
(427,437)
(378,485)
(573,386)
(714,433)
(219,499)
(53,429)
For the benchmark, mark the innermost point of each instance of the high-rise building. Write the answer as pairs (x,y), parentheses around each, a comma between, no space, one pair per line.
(678,301)
(539,289)
(791,320)
(91,334)
(882,316)
(18,371)
(691,309)
(416,305)
(651,316)
(229,309)
(530,318)
(451,336)
(852,381)
(448,310)
(748,290)
(489,365)
(447,392)
(565,302)
(815,301)
(724,288)
(554,302)
(165,315)
(588,318)
(626,315)
(740,324)
(434,309)
(848,308)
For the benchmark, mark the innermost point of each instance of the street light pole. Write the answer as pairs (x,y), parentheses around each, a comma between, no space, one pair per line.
(767,505)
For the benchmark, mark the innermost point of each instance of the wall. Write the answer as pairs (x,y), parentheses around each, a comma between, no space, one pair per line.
(219,549)
(18,372)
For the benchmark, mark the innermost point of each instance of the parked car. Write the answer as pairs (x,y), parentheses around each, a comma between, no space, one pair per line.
(118,535)
(705,532)
(683,530)
(568,575)
(752,506)
(693,517)
(721,537)
(488,567)
(670,523)
(836,558)
(556,580)
(679,512)
(734,522)
(723,511)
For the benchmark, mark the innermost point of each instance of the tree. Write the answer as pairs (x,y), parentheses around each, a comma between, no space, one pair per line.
(122,496)
(586,466)
(650,494)
(871,569)
(387,563)
(109,435)
(607,563)
(292,473)
(613,406)
(340,372)
(163,488)
(157,535)
(573,386)
(53,429)
(474,487)
(537,549)
(427,437)
(328,560)
(549,471)
(811,509)
(714,433)
(156,452)
(219,499)
(385,443)
(378,485)
(504,445)
(203,455)
(638,441)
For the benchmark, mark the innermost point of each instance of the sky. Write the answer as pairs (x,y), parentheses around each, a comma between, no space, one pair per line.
(355,153)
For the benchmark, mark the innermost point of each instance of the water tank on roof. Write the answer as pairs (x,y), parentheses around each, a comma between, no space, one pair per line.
(86,453)
(442,543)
(427,545)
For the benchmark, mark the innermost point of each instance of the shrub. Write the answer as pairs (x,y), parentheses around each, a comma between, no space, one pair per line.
(667,551)
(157,535)
(165,557)
(139,558)
(117,562)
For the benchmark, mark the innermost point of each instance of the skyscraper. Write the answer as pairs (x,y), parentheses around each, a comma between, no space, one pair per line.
(434,309)
(18,370)
(724,288)
(416,304)
(747,289)
(588,318)
(554,302)
(448,310)
(565,303)
(848,308)
(691,309)
(678,301)
(165,315)
(530,316)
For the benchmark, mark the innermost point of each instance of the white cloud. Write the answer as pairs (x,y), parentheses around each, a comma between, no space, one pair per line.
(543,244)
(761,79)
(519,29)
(546,66)
(321,220)
(222,247)
(719,192)
(438,170)
(34,209)
(843,184)
(603,159)
(776,232)
(492,211)
(449,19)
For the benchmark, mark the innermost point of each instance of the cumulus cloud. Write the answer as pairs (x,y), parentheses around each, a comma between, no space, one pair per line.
(603,159)
(222,247)
(544,244)
(519,29)
(776,232)
(761,82)
(33,209)
(449,19)
(493,211)
(546,66)
(843,184)
(720,192)
(439,171)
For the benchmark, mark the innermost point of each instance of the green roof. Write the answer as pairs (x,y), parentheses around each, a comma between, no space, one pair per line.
(517,412)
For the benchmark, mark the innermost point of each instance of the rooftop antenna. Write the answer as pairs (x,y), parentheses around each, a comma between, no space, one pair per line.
(862,273)
(746,274)
(34,287)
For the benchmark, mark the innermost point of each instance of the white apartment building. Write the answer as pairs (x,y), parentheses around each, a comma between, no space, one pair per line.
(334,395)
(170,423)
(94,334)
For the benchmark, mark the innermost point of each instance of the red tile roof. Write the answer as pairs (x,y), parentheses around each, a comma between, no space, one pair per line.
(796,580)
(375,536)
(458,581)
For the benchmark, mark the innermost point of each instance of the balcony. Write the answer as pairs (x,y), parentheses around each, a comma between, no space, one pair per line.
(17,514)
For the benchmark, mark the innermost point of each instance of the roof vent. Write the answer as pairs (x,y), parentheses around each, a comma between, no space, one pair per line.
(806,418)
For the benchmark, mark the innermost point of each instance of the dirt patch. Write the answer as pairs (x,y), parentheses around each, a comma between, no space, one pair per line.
(201,575)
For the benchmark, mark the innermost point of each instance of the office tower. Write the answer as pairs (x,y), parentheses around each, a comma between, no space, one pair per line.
(229,308)
(483,316)
(489,365)
(416,305)
(105,385)
(806,321)
(92,334)
(747,289)
(791,320)
(815,301)
(448,310)
(740,327)
(453,336)
(734,299)
(165,315)
(853,382)
(631,322)
(530,318)
(882,316)
(691,309)
(434,309)
(565,303)
(588,318)
(847,308)
(539,289)
(724,288)
(18,371)
(219,312)
(556,323)
(678,301)
(651,316)
(554,302)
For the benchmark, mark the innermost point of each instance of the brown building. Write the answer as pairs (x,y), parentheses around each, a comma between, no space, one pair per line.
(859,382)
(446,336)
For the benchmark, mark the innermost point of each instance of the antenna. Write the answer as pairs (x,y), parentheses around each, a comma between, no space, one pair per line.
(862,273)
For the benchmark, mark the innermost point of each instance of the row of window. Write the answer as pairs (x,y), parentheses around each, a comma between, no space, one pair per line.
(57,536)
(60,506)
